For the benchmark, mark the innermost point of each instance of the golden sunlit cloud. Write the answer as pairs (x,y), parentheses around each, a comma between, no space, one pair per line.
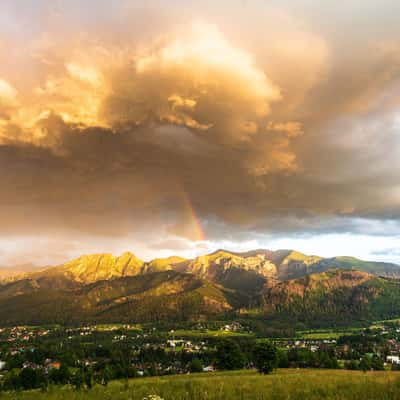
(194,79)
(291,128)
(8,93)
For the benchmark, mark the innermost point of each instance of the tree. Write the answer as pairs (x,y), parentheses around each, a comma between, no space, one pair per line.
(283,361)
(265,357)
(152,370)
(14,361)
(365,363)
(106,375)
(61,375)
(78,379)
(12,380)
(377,363)
(88,378)
(229,355)
(31,378)
(196,365)
(353,365)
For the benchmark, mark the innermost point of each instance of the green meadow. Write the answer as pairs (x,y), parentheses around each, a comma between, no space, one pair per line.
(240,385)
(206,333)
(320,334)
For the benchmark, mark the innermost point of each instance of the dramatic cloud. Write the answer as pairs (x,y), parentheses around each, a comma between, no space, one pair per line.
(175,119)
(194,131)
(197,81)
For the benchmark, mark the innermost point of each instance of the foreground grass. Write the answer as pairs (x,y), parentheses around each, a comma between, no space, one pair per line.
(242,385)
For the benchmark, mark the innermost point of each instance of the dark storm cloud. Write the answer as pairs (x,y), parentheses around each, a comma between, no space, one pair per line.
(107,138)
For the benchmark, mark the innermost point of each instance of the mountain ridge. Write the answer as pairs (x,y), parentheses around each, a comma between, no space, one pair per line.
(282,285)
(278,265)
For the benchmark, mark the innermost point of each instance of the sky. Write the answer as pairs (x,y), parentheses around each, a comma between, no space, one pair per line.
(241,124)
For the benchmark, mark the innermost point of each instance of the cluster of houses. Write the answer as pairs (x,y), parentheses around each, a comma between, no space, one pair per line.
(24,334)
(187,345)
(233,327)
(311,344)
(388,348)
(48,365)
(20,339)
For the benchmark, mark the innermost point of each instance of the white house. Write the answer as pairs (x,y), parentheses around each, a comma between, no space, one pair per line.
(393,359)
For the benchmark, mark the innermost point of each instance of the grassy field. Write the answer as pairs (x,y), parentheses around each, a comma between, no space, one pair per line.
(326,333)
(241,385)
(199,334)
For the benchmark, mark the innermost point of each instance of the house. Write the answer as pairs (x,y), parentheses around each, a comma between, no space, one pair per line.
(393,359)
(55,365)
(30,365)
(233,327)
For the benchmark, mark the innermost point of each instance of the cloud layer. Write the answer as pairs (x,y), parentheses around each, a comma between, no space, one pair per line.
(190,131)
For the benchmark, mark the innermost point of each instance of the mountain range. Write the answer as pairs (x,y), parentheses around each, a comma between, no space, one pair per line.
(282,286)
(15,271)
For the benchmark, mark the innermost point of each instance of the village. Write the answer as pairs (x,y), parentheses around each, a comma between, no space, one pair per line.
(135,351)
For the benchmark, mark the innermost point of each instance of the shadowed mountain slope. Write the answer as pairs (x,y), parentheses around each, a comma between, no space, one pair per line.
(333,297)
(151,297)
(284,285)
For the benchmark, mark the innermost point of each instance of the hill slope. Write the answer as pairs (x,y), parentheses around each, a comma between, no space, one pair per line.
(17,271)
(152,297)
(333,297)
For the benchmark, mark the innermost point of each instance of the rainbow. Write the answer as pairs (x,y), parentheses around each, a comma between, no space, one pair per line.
(195,221)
